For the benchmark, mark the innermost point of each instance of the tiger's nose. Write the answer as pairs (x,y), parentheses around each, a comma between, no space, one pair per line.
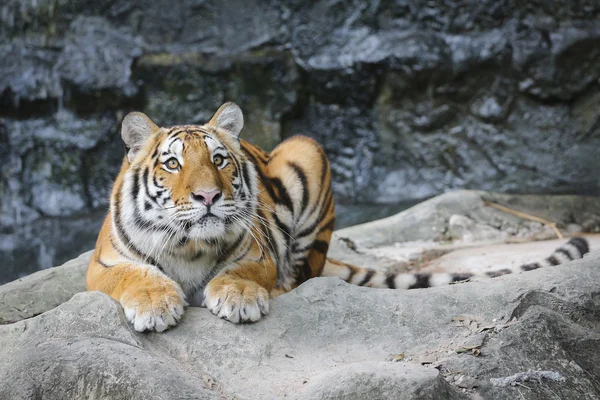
(207,198)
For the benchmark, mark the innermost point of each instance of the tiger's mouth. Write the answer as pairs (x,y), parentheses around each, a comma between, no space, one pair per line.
(206,226)
(207,217)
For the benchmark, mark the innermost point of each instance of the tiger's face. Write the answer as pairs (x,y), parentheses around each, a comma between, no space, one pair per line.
(190,182)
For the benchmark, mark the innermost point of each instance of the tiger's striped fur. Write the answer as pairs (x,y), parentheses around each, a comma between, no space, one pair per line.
(198,215)
(161,243)
(575,248)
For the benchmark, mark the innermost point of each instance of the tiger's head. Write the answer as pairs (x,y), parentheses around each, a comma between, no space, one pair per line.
(188,182)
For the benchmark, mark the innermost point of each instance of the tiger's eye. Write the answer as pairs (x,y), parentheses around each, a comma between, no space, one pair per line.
(218,160)
(172,163)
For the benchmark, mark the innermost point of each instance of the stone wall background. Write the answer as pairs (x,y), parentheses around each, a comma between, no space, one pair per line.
(409,98)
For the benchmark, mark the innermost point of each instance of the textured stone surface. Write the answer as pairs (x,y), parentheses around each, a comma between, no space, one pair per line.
(409,98)
(457,220)
(326,339)
(42,291)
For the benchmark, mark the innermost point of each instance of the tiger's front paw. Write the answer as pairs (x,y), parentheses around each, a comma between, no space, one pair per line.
(153,305)
(236,300)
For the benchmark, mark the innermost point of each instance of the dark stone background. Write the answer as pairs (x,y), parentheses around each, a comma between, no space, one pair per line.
(409,98)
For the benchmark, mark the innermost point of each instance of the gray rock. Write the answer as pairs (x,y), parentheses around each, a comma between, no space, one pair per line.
(326,339)
(98,57)
(461,227)
(380,380)
(42,291)
(431,219)
(103,358)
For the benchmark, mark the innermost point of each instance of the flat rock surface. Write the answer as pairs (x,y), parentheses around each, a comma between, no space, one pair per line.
(331,340)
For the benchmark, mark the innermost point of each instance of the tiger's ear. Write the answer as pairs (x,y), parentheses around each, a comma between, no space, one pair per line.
(136,128)
(228,117)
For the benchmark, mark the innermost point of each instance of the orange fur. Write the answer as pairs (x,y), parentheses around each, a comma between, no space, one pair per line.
(293,198)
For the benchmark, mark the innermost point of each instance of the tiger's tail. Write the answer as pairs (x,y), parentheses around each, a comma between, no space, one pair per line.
(574,249)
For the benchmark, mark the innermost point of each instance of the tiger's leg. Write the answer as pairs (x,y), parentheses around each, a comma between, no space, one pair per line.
(150,299)
(241,294)
(305,203)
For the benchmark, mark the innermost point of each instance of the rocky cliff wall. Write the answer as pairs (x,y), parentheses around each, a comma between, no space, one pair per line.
(409,98)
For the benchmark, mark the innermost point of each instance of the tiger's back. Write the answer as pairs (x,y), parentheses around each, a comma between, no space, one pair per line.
(296,209)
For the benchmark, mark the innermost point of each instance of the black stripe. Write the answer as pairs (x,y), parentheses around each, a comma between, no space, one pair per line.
(231,246)
(325,189)
(326,205)
(553,260)
(304,182)
(461,277)
(123,235)
(266,228)
(581,244)
(284,228)
(351,273)
(321,246)
(367,277)
(329,225)
(156,183)
(135,192)
(263,156)
(244,253)
(105,265)
(286,235)
(115,246)
(499,272)
(249,155)
(324,165)
(422,281)
(127,241)
(305,272)
(146,187)
(307,231)
(197,255)
(390,281)
(565,252)
(530,267)
(247,180)
(283,197)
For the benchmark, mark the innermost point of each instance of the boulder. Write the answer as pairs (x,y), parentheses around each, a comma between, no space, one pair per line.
(42,291)
(462,219)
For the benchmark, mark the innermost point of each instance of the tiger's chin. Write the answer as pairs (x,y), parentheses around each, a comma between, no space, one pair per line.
(209,227)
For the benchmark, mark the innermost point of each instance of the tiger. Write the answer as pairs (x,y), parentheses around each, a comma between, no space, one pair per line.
(200,217)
